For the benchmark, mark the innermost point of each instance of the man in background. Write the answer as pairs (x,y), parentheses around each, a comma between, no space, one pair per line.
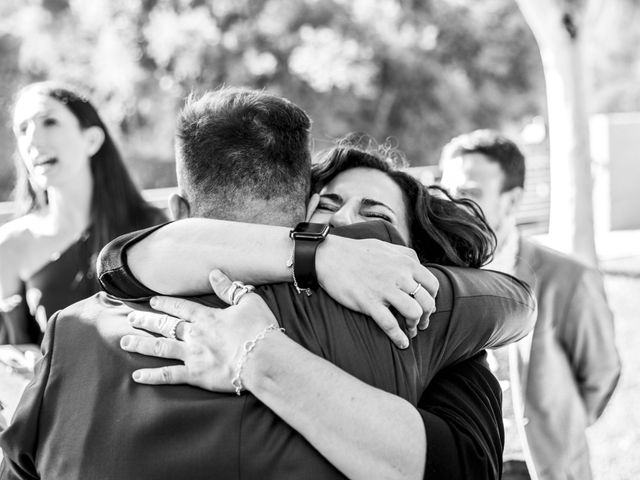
(558,380)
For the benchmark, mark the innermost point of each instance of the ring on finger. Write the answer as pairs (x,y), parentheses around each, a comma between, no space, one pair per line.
(173,329)
(241,292)
(415,290)
(235,286)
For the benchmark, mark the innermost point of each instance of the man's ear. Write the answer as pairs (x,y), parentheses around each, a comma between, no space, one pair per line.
(312,205)
(179,207)
(95,138)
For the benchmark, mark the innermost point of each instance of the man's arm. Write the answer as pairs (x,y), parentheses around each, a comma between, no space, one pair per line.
(587,335)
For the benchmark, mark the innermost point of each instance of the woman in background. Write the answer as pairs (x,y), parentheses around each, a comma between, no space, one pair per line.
(73,195)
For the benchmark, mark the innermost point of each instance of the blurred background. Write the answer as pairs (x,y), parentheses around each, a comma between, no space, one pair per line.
(418,72)
(413,73)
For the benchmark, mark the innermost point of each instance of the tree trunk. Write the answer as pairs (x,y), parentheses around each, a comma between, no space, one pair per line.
(558,32)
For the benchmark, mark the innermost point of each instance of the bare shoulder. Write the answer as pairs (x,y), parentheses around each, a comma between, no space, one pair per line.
(16,239)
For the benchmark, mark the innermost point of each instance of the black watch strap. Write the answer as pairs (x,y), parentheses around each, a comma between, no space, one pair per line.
(304,263)
(306,237)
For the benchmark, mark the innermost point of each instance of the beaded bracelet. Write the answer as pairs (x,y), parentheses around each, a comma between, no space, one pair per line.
(246,348)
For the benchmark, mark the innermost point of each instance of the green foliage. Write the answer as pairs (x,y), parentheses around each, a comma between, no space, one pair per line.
(614,57)
(418,72)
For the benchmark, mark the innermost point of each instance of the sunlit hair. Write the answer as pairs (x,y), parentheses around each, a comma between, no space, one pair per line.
(235,146)
(442,229)
(117,206)
(496,147)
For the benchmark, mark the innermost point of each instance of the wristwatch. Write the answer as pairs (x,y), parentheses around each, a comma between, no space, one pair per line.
(306,238)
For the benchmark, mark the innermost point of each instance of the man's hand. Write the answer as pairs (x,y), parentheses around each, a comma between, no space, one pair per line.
(208,340)
(372,276)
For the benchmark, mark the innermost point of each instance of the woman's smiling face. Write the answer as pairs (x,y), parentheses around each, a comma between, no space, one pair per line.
(362,195)
(50,141)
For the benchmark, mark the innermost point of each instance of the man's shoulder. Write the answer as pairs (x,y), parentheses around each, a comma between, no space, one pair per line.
(91,305)
(97,320)
(550,264)
(94,309)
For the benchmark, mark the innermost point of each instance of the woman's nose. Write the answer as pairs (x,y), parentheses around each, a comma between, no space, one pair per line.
(344,216)
(31,137)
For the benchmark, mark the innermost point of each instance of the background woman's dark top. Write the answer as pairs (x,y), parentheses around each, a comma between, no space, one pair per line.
(66,279)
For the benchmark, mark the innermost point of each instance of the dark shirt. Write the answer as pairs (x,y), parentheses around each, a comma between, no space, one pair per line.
(67,278)
(462,414)
(83,417)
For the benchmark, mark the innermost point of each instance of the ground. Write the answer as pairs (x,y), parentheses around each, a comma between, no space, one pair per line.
(615,438)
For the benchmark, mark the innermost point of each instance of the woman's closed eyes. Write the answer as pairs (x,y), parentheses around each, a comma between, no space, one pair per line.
(367,207)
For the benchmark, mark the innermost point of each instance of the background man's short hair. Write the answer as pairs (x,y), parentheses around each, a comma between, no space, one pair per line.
(495,146)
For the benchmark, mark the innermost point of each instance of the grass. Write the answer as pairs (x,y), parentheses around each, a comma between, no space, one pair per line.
(615,439)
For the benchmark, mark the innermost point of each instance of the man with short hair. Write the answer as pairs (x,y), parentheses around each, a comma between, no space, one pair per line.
(563,374)
(83,417)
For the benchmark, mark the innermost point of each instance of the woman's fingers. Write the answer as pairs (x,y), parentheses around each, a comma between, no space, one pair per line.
(169,375)
(221,285)
(428,305)
(154,347)
(153,322)
(428,280)
(180,308)
(389,324)
(409,308)
(226,290)
(426,295)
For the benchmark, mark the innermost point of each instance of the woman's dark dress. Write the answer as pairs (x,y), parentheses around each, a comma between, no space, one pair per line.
(67,278)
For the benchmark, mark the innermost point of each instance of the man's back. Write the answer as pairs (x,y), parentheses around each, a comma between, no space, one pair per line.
(83,416)
(93,421)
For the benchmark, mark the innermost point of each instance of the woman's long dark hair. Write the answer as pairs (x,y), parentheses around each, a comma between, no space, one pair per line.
(117,207)
(443,230)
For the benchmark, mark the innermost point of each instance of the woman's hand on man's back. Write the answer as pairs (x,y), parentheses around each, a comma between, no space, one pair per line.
(372,277)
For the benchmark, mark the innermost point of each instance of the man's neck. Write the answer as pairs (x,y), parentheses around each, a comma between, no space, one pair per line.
(277,212)
(505,256)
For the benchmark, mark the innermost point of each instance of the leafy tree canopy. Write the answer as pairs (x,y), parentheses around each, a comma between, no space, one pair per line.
(418,72)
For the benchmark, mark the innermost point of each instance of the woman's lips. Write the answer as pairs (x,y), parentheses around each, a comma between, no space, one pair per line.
(45,164)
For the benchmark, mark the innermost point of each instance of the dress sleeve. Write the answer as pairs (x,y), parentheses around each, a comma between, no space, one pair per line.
(475,310)
(462,415)
(114,274)
(19,441)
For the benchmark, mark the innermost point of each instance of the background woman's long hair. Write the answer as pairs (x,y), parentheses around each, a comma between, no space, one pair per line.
(117,206)
(443,230)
